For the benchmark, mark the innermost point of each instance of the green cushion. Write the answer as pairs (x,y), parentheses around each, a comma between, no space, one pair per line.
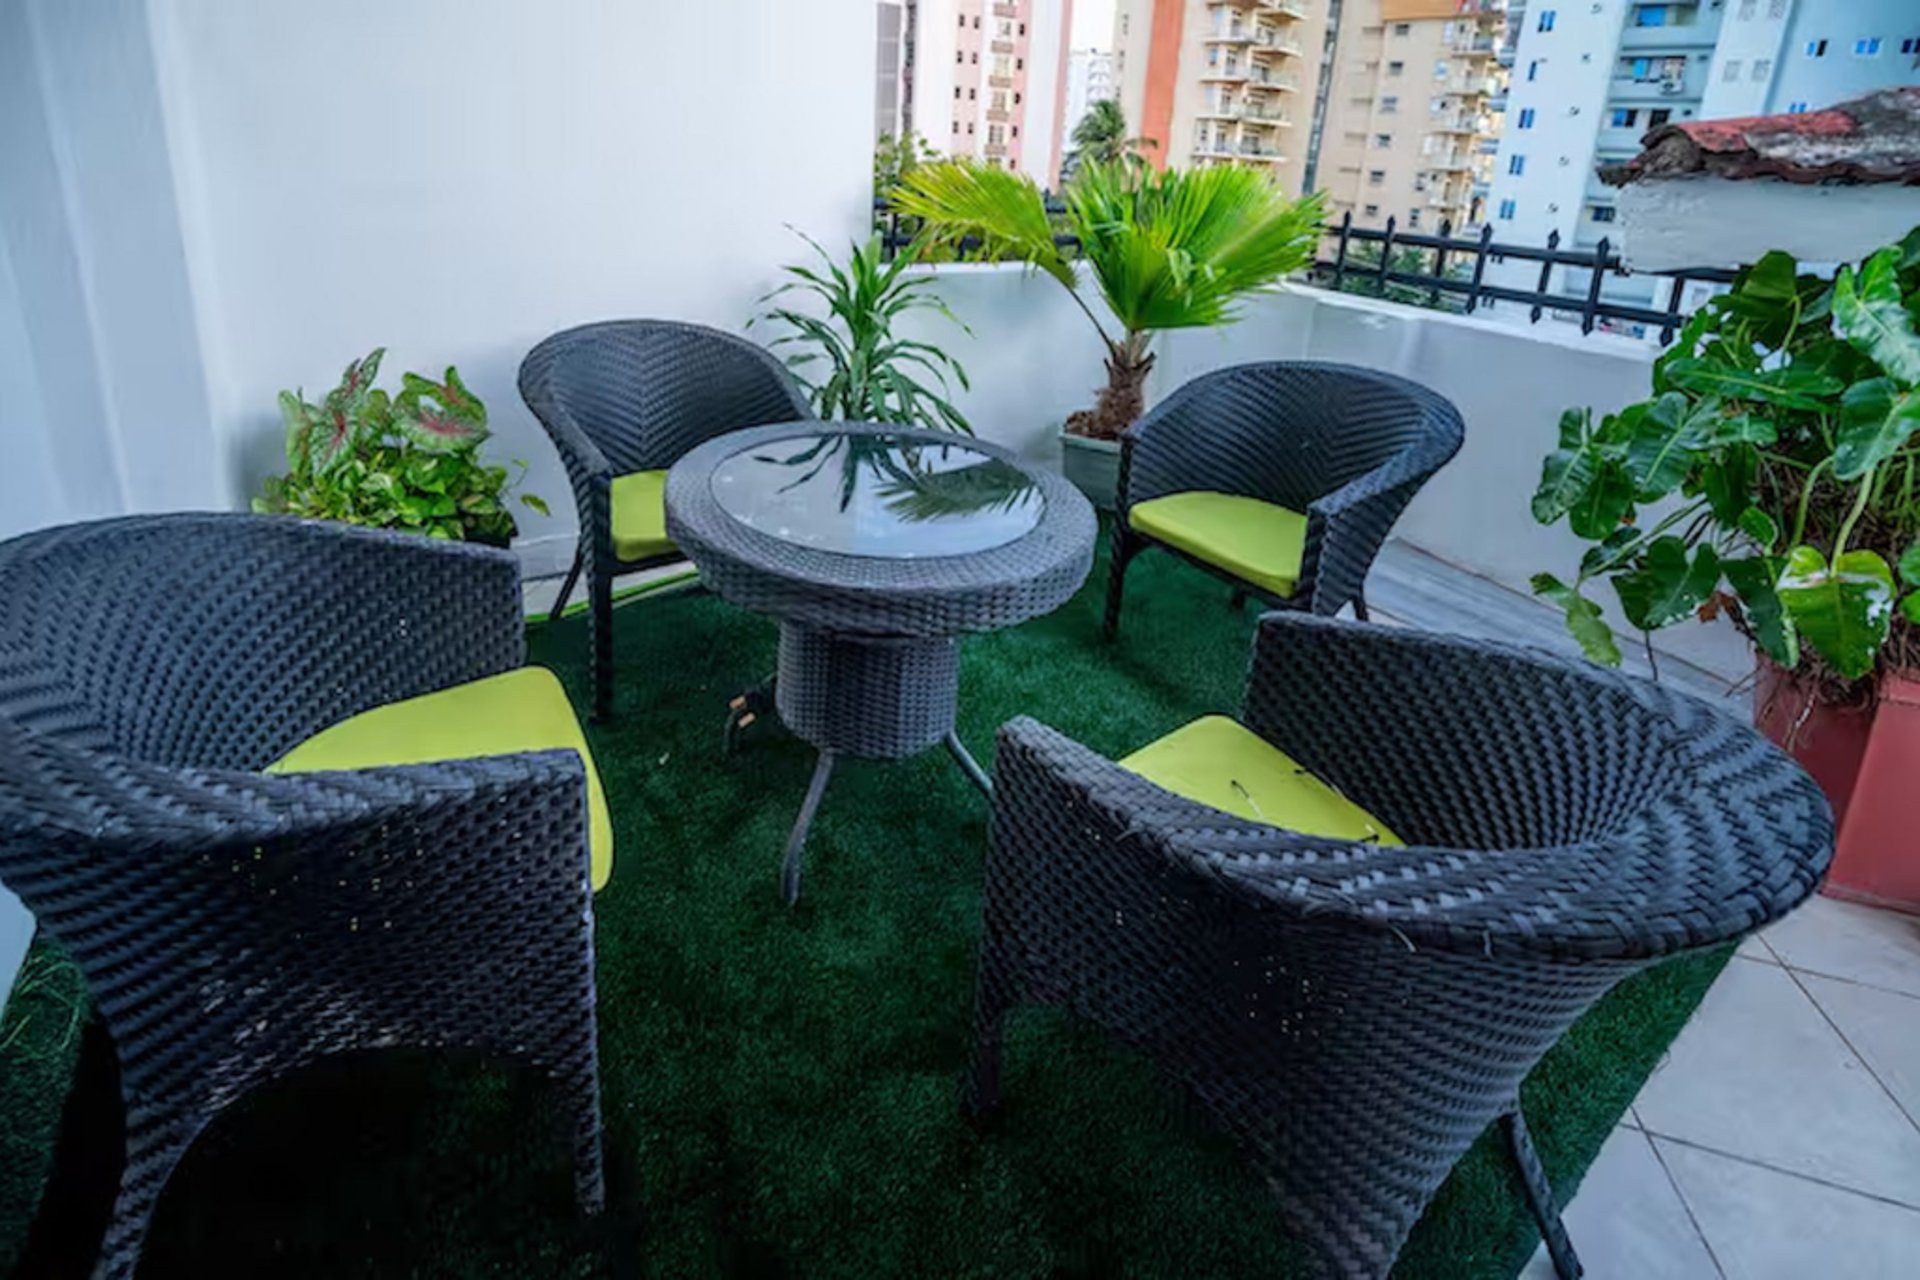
(524,710)
(1221,763)
(639,508)
(1255,541)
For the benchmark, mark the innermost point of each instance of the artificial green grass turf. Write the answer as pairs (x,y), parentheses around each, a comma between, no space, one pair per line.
(780,1086)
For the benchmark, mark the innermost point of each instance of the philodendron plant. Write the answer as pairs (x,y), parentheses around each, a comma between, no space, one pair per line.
(409,461)
(1772,476)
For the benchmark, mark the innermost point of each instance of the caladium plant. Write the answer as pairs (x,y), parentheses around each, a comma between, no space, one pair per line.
(1774,475)
(409,461)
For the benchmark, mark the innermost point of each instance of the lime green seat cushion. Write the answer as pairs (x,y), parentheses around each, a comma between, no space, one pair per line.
(639,510)
(1221,763)
(524,710)
(1255,541)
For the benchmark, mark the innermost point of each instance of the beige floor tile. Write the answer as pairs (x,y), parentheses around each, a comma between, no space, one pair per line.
(1884,1029)
(1627,1222)
(1844,940)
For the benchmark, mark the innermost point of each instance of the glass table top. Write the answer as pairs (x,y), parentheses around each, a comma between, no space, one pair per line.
(878,495)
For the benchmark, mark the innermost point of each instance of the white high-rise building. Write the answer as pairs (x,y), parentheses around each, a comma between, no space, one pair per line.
(1090,79)
(1591,77)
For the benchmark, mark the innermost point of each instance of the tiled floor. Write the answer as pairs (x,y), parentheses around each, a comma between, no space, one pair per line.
(1778,1138)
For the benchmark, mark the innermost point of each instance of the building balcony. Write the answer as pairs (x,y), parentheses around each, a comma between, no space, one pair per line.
(1279,81)
(1690,38)
(1230,35)
(1451,163)
(1225,72)
(1454,122)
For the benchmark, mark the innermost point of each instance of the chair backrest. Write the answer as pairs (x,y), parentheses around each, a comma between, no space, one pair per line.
(1289,431)
(646,391)
(219,641)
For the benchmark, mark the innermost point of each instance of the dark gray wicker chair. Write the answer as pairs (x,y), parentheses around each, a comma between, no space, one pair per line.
(1356,1014)
(1344,447)
(623,400)
(235,926)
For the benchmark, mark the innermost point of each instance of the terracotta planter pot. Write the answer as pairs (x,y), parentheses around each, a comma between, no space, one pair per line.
(1865,759)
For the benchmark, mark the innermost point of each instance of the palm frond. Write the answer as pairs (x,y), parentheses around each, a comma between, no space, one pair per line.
(1005,210)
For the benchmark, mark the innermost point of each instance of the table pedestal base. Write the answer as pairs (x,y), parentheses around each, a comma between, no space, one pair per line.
(875,698)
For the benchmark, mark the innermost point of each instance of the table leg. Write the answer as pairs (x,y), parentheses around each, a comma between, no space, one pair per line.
(797,841)
(968,765)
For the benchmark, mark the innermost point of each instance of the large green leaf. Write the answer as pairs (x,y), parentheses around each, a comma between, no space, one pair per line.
(1727,482)
(1869,313)
(1667,587)
(1565,477)
(1876,418)
(1844,609)
(1788,386)
(1606,503)
(1666,443)
(1752,580)
(1910,565)
(1584,621)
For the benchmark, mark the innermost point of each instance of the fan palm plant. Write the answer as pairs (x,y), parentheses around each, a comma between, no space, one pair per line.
(1171,250)
(870,373)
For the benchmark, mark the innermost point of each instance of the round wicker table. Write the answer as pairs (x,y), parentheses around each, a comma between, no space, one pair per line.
(875,547)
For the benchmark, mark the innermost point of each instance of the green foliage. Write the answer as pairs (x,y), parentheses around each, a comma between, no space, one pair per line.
(1363,262)
(1101,138)
(870,373)
(408,462)
(895,157)
(1772,474)
(1166,250)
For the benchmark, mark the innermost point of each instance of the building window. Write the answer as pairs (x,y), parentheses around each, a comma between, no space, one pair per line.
(963,21)
(1602,213)
(959,57)
(1370,211)
(1910,46)
(1389,104)
(1440,69)
(1658,117)
(1867,47)
(1546,20)
(1816,48)
(1382,141)
(1376,177)
(1516,165)
(956,93)
(1396,68)
(1731,71)
(1533,69)
(973,95)
(1796,108)
(1650,15)
(1622,118)
(1746,9)
(1403,28)
(1776,8)
(1526,117)
(1762,68)
(969,128)
(1506,210)
(1413,217)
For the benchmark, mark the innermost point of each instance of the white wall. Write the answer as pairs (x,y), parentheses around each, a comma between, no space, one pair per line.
(454,181)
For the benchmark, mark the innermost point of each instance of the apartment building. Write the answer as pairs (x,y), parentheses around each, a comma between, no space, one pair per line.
(1089,80)
(1802,55)
(989,80)
(1590,78)
(892,104)
(1413,119)
(1224,81)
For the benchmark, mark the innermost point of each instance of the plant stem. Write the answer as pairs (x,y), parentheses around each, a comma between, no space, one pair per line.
(1853,515)
(1806,497)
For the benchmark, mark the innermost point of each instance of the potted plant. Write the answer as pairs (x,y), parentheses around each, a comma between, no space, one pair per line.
(1774,477)
(407,462)
(845,354)
(1166,250)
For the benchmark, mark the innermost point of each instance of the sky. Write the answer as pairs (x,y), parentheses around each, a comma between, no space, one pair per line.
(1093,24)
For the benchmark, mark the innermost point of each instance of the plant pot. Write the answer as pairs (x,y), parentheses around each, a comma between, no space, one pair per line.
(1093,466)
(1864,759)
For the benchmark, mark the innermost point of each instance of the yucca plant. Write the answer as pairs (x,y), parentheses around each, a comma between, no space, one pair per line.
(1167,250)
(871,373)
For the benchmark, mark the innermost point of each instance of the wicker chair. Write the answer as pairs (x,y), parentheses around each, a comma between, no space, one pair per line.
(623,400)
(1356,1013)
(234,925)
(1281,478)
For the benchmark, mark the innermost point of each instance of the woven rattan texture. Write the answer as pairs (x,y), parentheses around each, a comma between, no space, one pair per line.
(872,595)
(1356,1015)
(234,927)
(878,699)
(622,396)
(1347,446)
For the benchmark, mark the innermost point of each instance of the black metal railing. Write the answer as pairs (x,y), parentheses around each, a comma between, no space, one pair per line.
(1452,270)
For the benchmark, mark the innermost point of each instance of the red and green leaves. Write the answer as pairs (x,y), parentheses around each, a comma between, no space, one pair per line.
(439,417)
